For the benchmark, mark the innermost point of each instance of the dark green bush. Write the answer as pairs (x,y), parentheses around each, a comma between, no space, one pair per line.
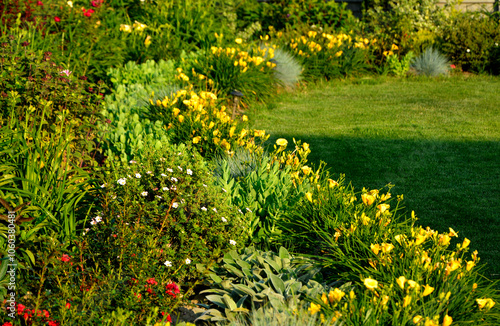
(469,40)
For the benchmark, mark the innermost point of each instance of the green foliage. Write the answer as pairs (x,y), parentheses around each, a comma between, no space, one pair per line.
(239,165)
(266,192)
(255,279)
(410,24)
(288,70)
(399,67)
(470,40)
(431,63)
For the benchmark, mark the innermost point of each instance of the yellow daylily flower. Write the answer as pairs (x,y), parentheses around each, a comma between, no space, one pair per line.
(196,139)
(466,243)
(370,283)
(309,196)
(367,199)
(238,40)
(427,290)
(401,282)
(406,301)
(375,248)
(332,183)
(335,295)
(485,303)
(281,142)
(447,320)
(314,308)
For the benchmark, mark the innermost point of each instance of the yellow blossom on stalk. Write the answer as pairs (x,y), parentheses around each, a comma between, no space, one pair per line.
(387,53)
(181,118)
(147,41)
(447,320)
(485,303)
(309,196)
(413,284)
(324,298)
(370,283)
(335,295)
(367,199)
(452,233)
(394,47)
(466,243)
(385,299)
(444,239)
(231,131)
(314,308)
(451,266)
(384,197)
(125,28)
(417,319)
(474,286)
(238,40)
(470,264)
(387,247)
(139,26)
(427,290)
(306,170)
(70,3)
(375,248)
(339,53)
(280,142)
(406,301)
(365,219)
(419,239)
(401,282)
(196,139)
(175,111)
(244,118)
(383,207)
(332,183)
(225,144)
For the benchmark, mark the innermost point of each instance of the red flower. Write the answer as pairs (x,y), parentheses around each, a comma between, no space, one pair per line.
(8,323)
(53,323)
(20,308)
(57,19)
(39,3)
(68,305)
(65,258)
(169,319)
(172,289)
(151,281)
(96,3)
(453,66)
(46,313)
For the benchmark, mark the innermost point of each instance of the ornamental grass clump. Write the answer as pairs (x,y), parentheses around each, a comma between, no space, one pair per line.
(431,63)
(198,117)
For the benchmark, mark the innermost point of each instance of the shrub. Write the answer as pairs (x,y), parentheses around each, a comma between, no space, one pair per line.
(197,117)
(431,63)
(256,279)
(288,70)
(469,41)
(399,67)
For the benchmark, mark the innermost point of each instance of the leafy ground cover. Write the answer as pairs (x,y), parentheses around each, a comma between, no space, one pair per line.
(436,140)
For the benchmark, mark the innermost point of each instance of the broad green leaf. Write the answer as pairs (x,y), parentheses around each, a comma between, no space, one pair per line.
(278,283)
(229,302)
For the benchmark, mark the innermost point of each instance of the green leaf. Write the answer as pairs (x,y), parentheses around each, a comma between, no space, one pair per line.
(245,289)
(229,302)
(278,283)
(283,253)
(217,299)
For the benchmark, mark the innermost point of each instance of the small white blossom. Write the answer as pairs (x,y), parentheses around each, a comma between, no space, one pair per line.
(144,193)
(188,171)
(170,170)
(174,188)
(223,219)
(248,209)
(65,72)
(224,190)
(164,188)
(132,162)
(179,168)
(149,172)
(188,261)
(214,209)
(104,185)
(159,197)
(204,209)
(98,219)
(162,159)
(163,175)
(468,50)
(122,181)
(175,205)
(137,175)
(183,201)
(174,179)
(239,210)
(179,153)
(204,185)
(232,242)
(168,263)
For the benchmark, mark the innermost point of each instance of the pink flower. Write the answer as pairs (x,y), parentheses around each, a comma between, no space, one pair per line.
(65,258)
(57,19)
(453,66)
(39,3)
(96,3)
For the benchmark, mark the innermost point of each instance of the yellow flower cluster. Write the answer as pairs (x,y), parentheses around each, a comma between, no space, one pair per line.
(332,44)
(244,60)
(196,117)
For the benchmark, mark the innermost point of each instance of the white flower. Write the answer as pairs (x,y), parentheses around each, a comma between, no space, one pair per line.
(224,190)
(232,242)
(162,159)
(70,3)
(204,185)
(179,153)
(214,209)
(86,230)
(103,185)
(144,193)
(137,175)
(159,197)
(149,172)
(93,222)
(248,209)
(188,171)
(163,175)
(188,261)
(175,205)
(174,188)
(179,168)
(223,219)
(468,50)
(168,263)
(132,162)
(122,181)
(174,179)
(170,170)
(98,219)
(204,208)
(239,210)
(165,188)
(65,72)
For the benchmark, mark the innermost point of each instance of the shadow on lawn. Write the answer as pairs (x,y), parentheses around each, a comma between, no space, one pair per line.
(447,183)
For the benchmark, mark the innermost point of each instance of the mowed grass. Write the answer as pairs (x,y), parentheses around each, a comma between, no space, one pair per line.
(436,140)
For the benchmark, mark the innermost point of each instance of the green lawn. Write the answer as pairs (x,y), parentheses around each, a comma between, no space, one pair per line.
(437,141)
